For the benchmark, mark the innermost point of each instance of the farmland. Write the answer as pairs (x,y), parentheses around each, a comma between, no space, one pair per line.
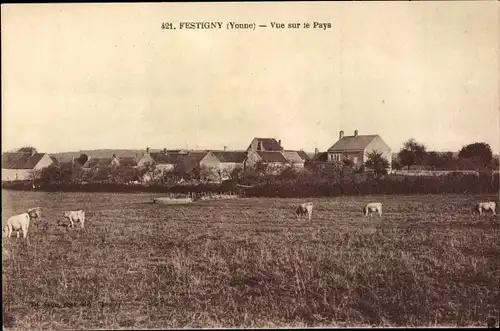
(250,263)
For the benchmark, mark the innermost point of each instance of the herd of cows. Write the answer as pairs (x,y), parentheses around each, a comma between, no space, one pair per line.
(22,221)
(376,207)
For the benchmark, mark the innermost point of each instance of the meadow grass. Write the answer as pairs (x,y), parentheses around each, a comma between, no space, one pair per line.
(250,263)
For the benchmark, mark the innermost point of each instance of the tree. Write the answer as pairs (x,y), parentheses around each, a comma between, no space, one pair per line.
(412,153)
(51,173)
(101,174)
(377,162)
(124,174)
(478,152)
(288,173)
(27,149)
(82,159)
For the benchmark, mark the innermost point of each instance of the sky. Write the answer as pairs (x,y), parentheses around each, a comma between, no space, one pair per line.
(95,76)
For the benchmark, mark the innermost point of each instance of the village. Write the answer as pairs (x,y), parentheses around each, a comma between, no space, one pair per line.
(213,165)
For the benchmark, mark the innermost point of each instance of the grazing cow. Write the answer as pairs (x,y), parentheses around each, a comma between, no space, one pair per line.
(74,216)
(479,207)
(305,209)
(373,207)
(35,212)
(18,223)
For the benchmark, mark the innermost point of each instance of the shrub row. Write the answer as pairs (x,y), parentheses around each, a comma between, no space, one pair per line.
(303,186)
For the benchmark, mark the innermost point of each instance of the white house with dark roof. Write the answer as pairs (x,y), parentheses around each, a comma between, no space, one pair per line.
(20,165)
(357,147)
(217,165)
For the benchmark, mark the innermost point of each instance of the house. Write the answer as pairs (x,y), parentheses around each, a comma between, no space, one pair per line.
(271,161)
(218,165)
(104,162)
(23,165)
(161,160)
(357,147)
(265,144)
(187,162)
(297,159)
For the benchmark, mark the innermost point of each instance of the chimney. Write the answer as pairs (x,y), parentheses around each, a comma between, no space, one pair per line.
(316,151)
(279,142)
(341,134)
(259,146)
(165,150)
(225,148)
(114,155)
(355,133)
(147,150)
(33,152)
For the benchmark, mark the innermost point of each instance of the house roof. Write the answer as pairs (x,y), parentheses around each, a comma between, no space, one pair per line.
(17,160)
(162,158)
(198,155)
(56,161)
(189,161)
(127,161)
(352,143)
(230,156)
(303,155)
(293,157)
(269,144)
(98,162)
(272,156)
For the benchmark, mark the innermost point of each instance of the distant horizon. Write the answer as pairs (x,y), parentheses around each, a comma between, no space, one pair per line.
(153,148)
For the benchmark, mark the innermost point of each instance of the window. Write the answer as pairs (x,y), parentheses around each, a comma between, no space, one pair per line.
(355,160)
(334,157)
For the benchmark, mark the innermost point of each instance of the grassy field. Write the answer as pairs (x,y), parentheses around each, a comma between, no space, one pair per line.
(250,263)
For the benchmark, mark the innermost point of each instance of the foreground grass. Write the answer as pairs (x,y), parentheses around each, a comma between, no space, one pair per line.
(250,263)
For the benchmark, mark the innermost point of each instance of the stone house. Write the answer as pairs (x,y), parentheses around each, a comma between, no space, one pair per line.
(357,147)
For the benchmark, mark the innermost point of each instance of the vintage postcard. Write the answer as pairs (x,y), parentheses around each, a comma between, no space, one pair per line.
(250,165)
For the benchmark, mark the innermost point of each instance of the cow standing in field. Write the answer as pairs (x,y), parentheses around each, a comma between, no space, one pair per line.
(373,207)
(18,223)
(304,209)
(479,207)
(75,216)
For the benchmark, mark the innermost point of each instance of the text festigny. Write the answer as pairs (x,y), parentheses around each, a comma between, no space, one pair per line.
(219,25)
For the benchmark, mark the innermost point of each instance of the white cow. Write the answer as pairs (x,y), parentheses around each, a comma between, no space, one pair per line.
(75,216)
(304,209)
(373,207)
(18,223)
(479,207)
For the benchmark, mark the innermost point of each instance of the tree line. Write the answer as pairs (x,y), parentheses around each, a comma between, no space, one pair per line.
(476,156)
